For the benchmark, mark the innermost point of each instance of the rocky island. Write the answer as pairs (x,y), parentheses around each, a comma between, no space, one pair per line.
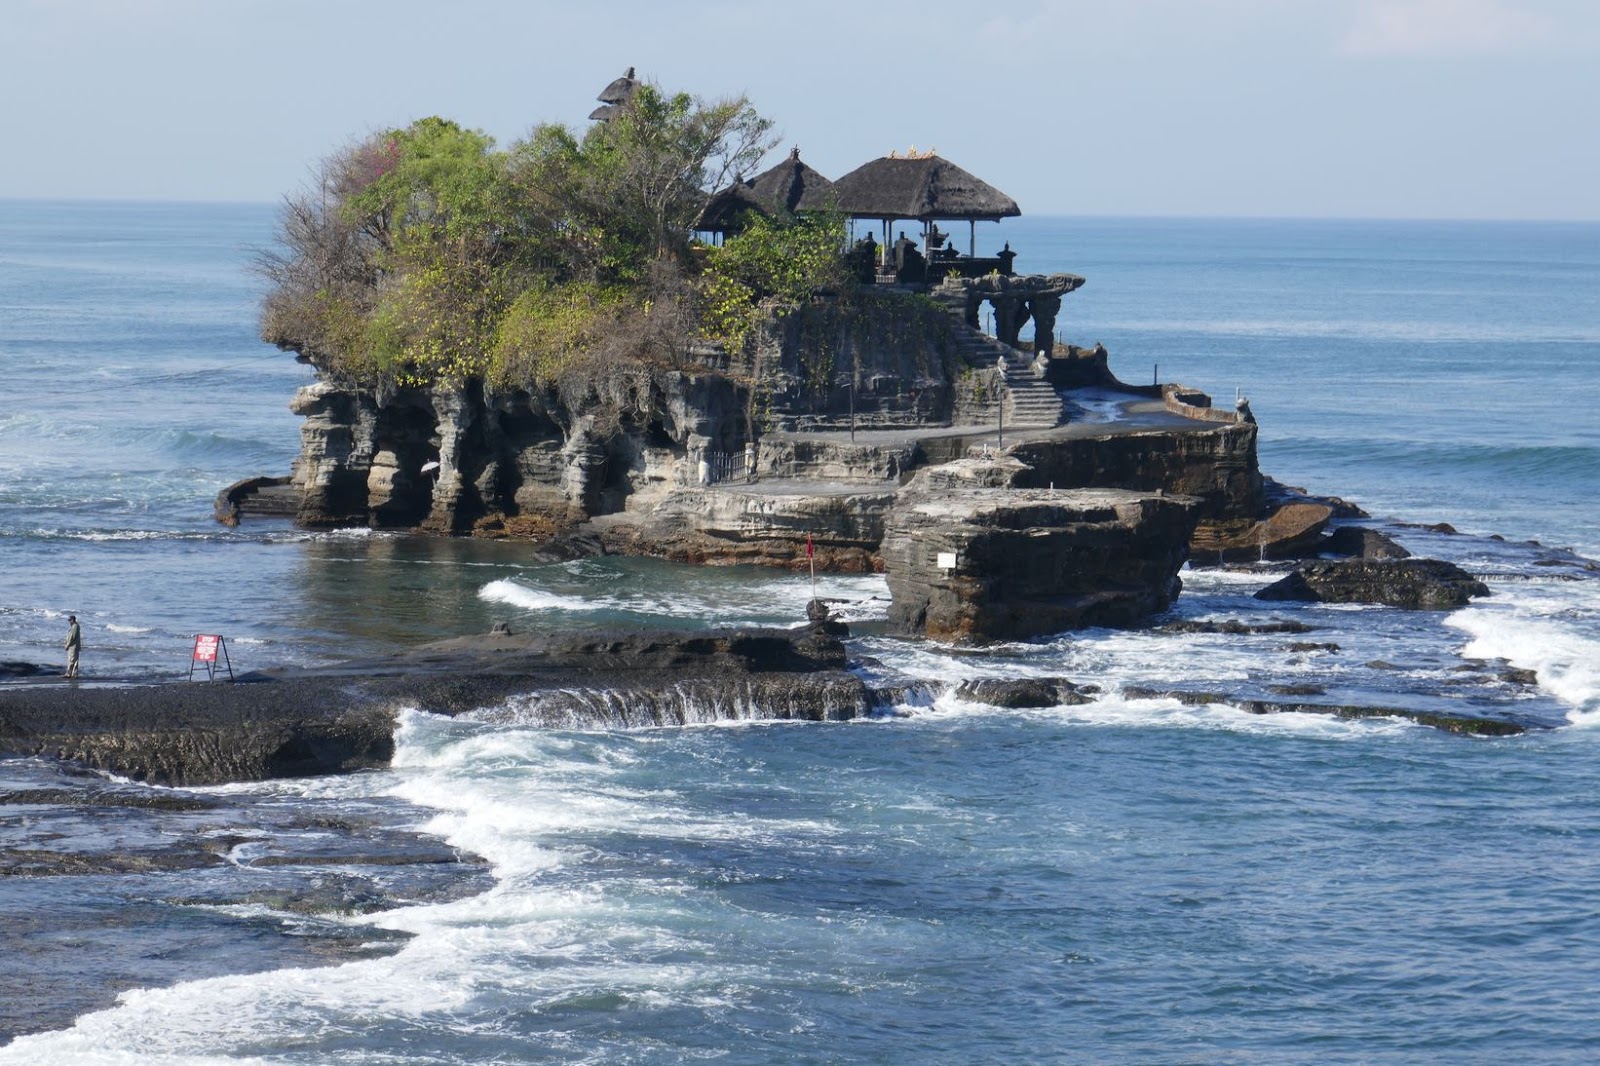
(750,383)
(571,343)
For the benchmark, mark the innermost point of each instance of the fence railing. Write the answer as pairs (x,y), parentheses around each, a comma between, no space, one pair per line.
(713,467)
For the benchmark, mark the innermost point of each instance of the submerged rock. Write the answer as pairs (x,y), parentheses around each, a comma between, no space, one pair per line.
(1022,692)
(1430,584)
(1450,723)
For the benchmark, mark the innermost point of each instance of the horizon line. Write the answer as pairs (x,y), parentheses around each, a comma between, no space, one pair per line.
(1107,215)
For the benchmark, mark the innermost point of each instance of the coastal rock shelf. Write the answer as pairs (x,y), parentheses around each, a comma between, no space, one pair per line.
(338,719)
(972,561)
(1427,584)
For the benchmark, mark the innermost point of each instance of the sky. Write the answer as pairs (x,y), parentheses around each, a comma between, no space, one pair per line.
(1303,108)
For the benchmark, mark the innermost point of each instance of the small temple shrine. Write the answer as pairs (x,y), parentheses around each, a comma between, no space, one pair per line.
(920,189)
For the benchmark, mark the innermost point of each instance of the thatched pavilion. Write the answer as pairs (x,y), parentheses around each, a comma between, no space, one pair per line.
(615,96)
(788,188)
(924,188)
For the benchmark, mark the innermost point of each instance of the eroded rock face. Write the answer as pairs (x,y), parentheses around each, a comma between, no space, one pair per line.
(1289,531)
(1217,466)
(1028,563)
(185,733)
(733,526)
(1430,584)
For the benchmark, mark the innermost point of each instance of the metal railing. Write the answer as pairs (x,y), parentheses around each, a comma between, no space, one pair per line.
(711,468)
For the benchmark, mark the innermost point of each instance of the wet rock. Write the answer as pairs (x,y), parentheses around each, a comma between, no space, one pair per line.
(143,799)
(1516,675)
(1363,543)
(1028,562)
(1297,690)
(1411,583)
(109,893)
(1449,723)
(1301,646)
(46,862)
(21,669)
(1022,692)
(1290,531)
(257,497)
(336,719)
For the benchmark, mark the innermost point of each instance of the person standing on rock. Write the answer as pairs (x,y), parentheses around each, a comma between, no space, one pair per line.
(74,644)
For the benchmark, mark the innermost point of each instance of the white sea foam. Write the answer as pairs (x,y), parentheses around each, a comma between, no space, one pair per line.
(1546,629)
(505,590)
(537,936)
(853,598)
(1116,711)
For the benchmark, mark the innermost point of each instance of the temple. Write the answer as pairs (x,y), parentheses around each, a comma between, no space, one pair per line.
(924,189)
(1008,485)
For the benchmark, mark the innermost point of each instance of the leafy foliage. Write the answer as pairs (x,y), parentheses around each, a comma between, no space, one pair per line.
(547,327)
(426,254)
(786,260)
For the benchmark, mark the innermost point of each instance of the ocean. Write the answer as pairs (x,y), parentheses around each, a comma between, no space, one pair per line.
(1128,880)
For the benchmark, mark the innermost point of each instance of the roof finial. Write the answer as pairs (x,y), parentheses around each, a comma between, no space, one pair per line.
(794,153)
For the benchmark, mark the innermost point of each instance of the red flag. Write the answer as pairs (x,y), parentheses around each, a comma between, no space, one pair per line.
(810,551)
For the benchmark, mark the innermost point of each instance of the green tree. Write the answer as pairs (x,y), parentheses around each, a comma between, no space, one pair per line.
(786,260)
(425,254)
(629,190)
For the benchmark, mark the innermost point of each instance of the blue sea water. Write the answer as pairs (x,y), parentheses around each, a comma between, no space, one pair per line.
(1130,880)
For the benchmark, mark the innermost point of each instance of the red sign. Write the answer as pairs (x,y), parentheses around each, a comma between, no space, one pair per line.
(205,648)
(810,551)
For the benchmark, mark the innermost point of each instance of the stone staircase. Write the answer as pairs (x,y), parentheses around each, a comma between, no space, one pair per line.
(1030,401)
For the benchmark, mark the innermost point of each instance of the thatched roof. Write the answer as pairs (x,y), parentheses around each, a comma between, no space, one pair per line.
(790,186)
(727,206)
(921,187)
(614,96)
(621,90)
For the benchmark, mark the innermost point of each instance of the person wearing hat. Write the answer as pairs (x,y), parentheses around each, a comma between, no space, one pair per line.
(74,643)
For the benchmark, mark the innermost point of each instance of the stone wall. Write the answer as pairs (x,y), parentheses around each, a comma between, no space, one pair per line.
(890,358)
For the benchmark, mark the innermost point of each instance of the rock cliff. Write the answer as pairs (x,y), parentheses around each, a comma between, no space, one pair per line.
(447,458)
(971,559)
(844,434)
